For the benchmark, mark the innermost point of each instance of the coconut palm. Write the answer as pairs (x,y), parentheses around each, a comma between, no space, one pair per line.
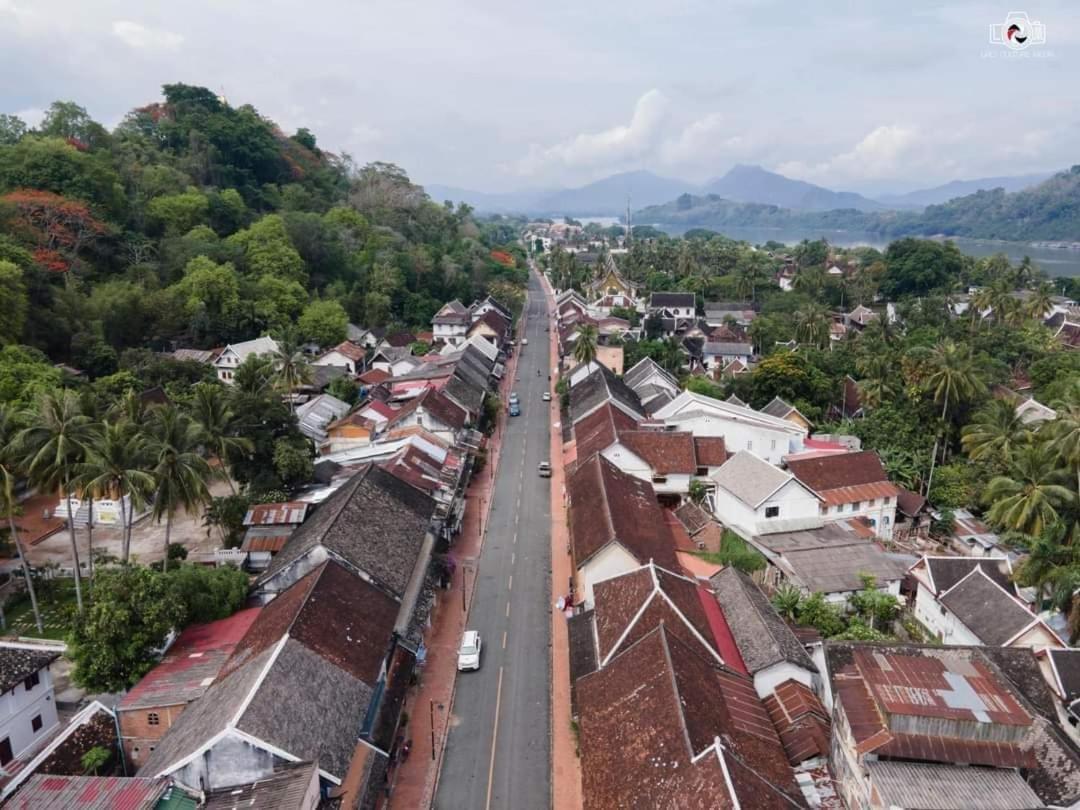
(812,325)
(8,474)
(50,447)
(1040,300)
(291,367)
(1029,498)
(585,345)
(217,426)
(1065,430)
(879,381)
(995,433)
(116,465)
(810,281)
(952,379)
(180,473)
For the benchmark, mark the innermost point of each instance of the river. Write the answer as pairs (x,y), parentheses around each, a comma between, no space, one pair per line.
(1053,261)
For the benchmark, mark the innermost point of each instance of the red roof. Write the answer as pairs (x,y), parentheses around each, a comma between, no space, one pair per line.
(47,792)
(711,451)
(348,350)
(600,429)
(721,632)
(801,720)
(666,452)
(374,376)
(191,664)
(379,407)
(844,477)
(276,514)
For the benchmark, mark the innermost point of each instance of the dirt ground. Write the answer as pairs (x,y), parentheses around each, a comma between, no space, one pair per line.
(147,538)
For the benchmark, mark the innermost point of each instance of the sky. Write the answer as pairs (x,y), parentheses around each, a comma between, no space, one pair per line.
(497,95)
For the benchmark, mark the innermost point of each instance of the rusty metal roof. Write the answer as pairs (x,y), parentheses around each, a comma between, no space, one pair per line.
(276,514)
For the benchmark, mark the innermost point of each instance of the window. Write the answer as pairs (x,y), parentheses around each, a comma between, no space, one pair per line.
(32,681)
(885,520)
(887,501)
(772,511)
(152,719)
(35,723)
(824,509)
(750,444)
(855,507)
(872,502)
(659,479)
(774,444)
(942,610)
(702,471)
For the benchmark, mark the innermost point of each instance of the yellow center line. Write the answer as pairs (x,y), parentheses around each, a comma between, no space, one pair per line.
(494,738)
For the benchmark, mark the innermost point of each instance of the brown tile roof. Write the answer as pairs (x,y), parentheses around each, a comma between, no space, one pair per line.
(600,429)
(399,340)
(844,477)
(667,452)
(608,505)
(444,409)
(349,350)
(496,322)
(711,451)
(909,503)
(800,719)
(374,376)
(19,663)
(656,708)
(693,517)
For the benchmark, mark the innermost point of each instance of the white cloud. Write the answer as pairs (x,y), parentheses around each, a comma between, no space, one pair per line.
(709,141)
(143,38)
(607,148)
(883,153)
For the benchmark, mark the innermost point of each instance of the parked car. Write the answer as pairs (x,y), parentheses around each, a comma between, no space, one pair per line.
(513,397)
(524,341)
(544,468)
(515,409)
(468,656)
(546,396)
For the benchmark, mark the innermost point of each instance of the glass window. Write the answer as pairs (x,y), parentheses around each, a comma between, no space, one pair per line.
(772,511)
(36,723)
(32,681)
(152,719)
(855,507)
(750,444)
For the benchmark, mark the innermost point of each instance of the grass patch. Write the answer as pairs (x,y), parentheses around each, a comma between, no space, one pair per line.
(735,551)
(56,598)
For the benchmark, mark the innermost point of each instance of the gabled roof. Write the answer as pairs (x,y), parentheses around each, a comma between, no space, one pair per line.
(600,429)
(659,300)
(666,452)
(630,605)
(987,609)
(347,349)
(599,387)
(19,662)
(723,348)
(781,409)
(763,638)
(1066,666)
(374,376)
(645,368)
(688,405)
(494,321)
(750,478)
(374,523)
(839,478)
(838,569)
(711,451)
(44,791)
(453,313)
(608,505)
(466,394)
(260,345)
(285,789)
(665,726)
(947,787)
(944,572)
(444,409)
(800,719)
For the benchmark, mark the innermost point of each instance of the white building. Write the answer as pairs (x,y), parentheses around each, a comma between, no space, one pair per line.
(851,485)
(742,428)
(27,703)
(451,323)
(751,493)
(717,354)
(236,353)
(346,355)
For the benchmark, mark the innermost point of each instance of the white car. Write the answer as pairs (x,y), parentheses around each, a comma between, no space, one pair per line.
(524,341)
(468,656)
(546,396)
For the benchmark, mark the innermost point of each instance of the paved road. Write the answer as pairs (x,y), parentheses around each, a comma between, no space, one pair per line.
(498,751)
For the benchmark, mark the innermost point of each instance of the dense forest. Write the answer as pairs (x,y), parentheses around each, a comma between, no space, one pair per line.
(195,223)
(1049,211)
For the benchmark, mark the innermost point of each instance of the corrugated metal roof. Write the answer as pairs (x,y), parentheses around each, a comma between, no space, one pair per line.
(276,514)
(948,787)
(47,792)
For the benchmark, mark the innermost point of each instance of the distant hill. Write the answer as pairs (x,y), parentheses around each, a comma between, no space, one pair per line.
(960,188)
(753,184)
(606,197)
(1047,211)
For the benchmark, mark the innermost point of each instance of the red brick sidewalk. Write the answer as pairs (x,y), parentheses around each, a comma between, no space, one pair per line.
(565,764)
(429,704)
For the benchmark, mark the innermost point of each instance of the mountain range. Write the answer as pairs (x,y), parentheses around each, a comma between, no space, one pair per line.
(741,184)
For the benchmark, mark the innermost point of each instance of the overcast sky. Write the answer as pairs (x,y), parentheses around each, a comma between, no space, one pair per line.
(496,95)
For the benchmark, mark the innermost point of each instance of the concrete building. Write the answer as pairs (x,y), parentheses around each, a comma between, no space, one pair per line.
(27,704)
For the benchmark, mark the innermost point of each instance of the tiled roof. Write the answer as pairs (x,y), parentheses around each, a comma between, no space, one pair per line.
(841,471)
(444,409)
(801,720)
(19,663)
(374,522)
(838,569)
(349,350)
(711,451)
(666,452)
(191,664)
(909,503)
(764,639)
(374,376)
(645,368)
(47,792)
(608,505)
(750,478)
(671,299)
(778,408)
(599,387)
(723,348)
(400,340)
(649,720)
(986,609)
(693,517)
(1067,669)
(947,571)
(285,789)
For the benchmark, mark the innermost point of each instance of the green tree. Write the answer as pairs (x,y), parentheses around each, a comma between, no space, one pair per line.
(291,366)
(877,608)
(268,250)
(218,426)
(953,379)
(995,433)
(176,214)
(95,759)
(324,322)
(180,473)
(787,600)
(812,325)
(585,345)
(51,447)
(12,128)
(292,461)
(132,609)
(9,471)
(1030,497)
(16,302)
(208,594)
(211,289)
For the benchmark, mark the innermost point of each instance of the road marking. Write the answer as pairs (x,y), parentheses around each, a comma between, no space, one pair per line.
(504,639)
(494,739)
(508,608)
(513,557)
(515,538)
(510,584)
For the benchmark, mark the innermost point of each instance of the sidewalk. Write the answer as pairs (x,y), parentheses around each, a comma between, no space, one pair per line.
(429,703)
(565,763)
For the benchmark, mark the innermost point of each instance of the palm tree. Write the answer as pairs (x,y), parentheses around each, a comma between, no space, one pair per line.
(1065,429)
(217,426)
(1039,301)
(879,383)
(291,367)
(179,472)
(115,464)
(8,471)
(810,281)
(953,379)
(812,325)
(1030,497)
(671,355)
(51,446)
(995,433)
(585,345)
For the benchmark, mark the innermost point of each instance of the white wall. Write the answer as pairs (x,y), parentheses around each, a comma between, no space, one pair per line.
(629,462)
(882,515)
(943,624)
(768,443)
(336,359)
(611,561)
(766,680)
(792,499)
(18,708)
(450,333)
